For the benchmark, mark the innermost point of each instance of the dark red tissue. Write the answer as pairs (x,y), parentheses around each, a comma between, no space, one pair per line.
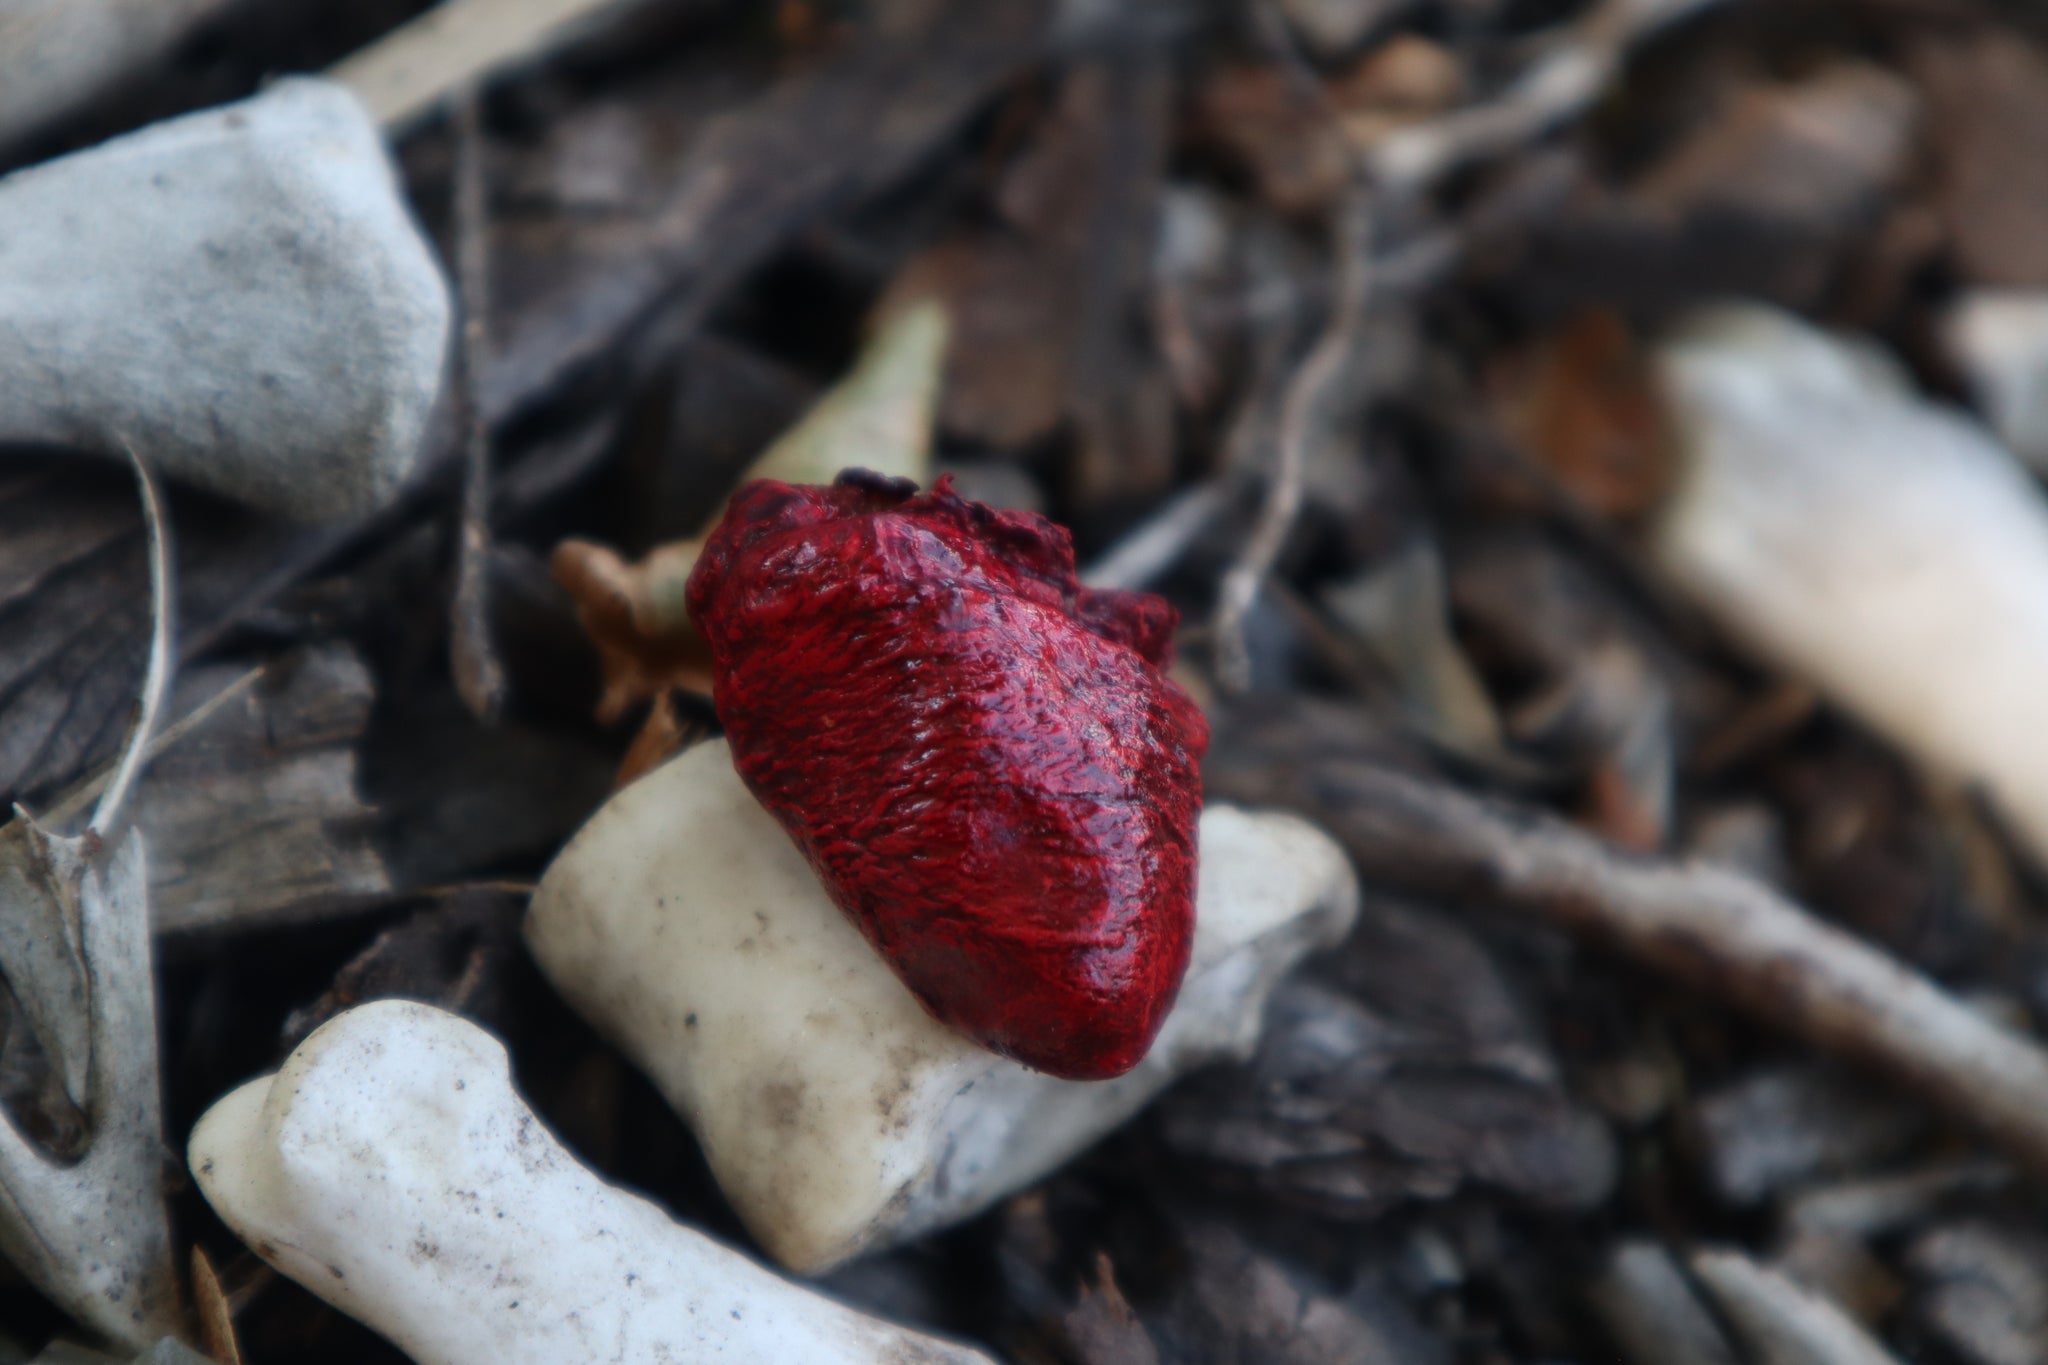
(985,761)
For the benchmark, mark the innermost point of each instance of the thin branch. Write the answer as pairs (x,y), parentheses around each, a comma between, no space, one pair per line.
(1158,542)
(157,677)
(1303,418)
(1724,934)
(479,676)
(1556,88)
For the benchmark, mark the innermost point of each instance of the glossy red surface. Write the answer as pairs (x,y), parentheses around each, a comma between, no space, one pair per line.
(984,760)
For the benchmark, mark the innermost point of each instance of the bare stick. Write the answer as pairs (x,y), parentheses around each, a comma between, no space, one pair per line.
(479,677)
(1781,1319)
(1557,87)
(1303,418)
(156,678)
(1157,543)
(1722,933)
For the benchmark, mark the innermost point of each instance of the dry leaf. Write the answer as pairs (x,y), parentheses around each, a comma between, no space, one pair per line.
(878,417)
(1585,404)
(216,1318)
(75,945)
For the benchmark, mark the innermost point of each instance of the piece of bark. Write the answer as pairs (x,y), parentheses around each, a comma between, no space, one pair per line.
(74,610)
(1774,1130)
(457,800)
(1420,1079)
(1785,188)
(1987,123)
(454,954)
(817,140)
(255,813)
(1045,302)
(1809,161)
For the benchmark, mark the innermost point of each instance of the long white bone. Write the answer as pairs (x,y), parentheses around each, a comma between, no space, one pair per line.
(390,1168)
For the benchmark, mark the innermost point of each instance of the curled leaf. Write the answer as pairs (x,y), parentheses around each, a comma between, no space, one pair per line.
(878,417)
(75,946)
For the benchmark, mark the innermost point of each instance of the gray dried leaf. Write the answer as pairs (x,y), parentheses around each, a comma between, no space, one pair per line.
(255,813)
(40,950)
(92,1233)
(1984,1291)
(1240,1306)
(1417,1079)
(1400,611)
(1776,1129)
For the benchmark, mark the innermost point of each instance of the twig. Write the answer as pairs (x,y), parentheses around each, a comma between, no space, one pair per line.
(1303,418)
(1781,1321)
(479,677)
(1159,541)
(1396,169)
(1720,932)
(1556,87)
(156,678)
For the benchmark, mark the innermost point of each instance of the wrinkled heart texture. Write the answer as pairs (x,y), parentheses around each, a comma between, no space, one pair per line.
(984,760)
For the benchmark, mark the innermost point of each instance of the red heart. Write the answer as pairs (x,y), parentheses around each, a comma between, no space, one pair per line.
(984,760)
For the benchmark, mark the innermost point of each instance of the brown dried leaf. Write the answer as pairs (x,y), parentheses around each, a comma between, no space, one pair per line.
(1302,158)
(664,735)
(1988,124)
(1585,403)
(635,617)
(1817,155)
(216,1317)
(1102,1329)
(878,417)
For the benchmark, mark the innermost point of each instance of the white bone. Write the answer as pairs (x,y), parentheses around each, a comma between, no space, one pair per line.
(390,1168)
(1860,536)
(837,1115)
